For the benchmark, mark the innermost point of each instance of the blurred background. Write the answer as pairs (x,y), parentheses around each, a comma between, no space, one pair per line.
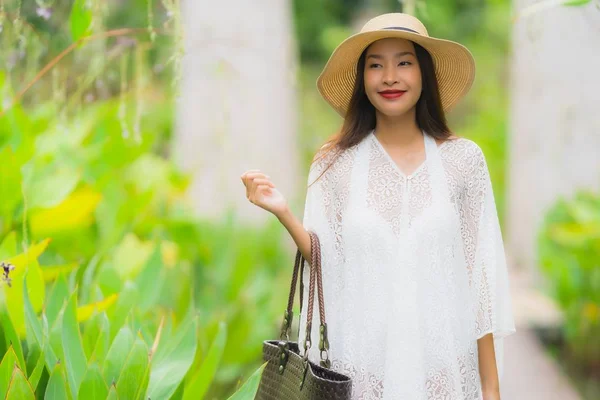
(134,264)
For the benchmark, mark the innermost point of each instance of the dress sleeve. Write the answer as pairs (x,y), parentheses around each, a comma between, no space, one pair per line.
(485,257)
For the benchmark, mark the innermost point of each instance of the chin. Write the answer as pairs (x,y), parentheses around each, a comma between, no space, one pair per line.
(392,112)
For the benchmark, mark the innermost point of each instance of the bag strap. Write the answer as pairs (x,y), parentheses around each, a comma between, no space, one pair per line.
(316,277)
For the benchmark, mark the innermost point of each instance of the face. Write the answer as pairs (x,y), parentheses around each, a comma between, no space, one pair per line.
(392,76)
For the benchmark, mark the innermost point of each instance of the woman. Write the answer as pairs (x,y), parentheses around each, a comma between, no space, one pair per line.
(414,273)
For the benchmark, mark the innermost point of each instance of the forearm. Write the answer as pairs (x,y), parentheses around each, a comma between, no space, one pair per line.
(297,232)
(487,365)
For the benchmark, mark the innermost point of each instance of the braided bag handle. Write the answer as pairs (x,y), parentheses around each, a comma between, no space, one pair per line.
(316,276)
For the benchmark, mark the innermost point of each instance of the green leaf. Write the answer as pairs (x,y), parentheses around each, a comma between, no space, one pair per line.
(32,323)
(125,303)
(48,186)
(19,388)
(203,377)
(25,264)
(576,2)
(150,276)
(81,20)
(75,360)
(8,248)
(55,342)
(95,337)
(34,378)
(133,380)
(57,299)
(57,385)
(131,255)
(11,337)
(115,359)
(10,190)
(248,391)
(172,362)
(112,393)
(9,361)
(93,386)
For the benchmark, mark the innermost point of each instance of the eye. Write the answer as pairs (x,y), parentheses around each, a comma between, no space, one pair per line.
(373,65)
(405,63)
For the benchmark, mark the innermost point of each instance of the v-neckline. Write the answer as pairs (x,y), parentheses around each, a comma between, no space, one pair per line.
(396,167)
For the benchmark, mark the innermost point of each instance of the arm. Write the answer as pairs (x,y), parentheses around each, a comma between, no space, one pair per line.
(487,368)
(296,231)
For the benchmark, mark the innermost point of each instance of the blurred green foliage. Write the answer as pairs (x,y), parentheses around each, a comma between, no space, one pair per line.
(569,251)
(113,275)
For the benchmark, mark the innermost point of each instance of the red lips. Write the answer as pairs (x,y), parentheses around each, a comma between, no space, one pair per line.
(392,94)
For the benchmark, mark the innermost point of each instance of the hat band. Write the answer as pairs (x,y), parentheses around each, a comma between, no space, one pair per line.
(401,28)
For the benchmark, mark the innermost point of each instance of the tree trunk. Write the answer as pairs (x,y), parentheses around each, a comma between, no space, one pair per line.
(555,126)
(237,106)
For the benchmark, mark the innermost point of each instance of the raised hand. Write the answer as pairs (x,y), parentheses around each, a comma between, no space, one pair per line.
(262,192)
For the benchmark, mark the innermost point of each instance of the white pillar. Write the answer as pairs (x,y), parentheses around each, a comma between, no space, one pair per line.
(555,118)
(237,106)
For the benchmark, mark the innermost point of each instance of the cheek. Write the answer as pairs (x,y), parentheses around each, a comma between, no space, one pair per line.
(369,82)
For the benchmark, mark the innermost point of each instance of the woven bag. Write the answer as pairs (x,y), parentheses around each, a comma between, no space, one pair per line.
(288,375)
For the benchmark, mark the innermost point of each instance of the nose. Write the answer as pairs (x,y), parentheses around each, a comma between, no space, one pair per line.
(389,76)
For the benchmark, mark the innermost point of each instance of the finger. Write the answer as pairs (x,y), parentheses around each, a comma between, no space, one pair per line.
(245,174)
(253,181)
(250,171)
(261,181)
(262,189)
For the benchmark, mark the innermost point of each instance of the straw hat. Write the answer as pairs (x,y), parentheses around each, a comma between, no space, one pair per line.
(453,62)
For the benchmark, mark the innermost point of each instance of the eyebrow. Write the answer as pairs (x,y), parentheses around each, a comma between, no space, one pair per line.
(379,57)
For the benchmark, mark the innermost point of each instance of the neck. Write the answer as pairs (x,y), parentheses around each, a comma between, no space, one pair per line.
(398,131)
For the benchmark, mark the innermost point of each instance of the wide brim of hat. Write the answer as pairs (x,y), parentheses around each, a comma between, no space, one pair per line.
(454,67)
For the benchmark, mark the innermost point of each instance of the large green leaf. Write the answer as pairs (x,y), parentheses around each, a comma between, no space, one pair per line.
(133,379)
(93,386)
(57,299)
(131,255)
(75,360)
(19,388)
(112,393)
(115,359)
(57,385)
(150,277)
(125,303)
(248,391)
(96,337)
(11,337)
(48,185)
(81,20)
(10,190)
(25,264)
(8,247)
(32,323)
(55,341)
(34,378)
(203,377)
(9,362)
(172,361)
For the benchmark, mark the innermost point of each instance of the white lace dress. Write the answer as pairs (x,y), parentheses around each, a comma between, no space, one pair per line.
(414,270)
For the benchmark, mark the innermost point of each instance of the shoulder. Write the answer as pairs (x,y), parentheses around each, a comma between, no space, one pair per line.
(463,158)
(331,156)
(461,149)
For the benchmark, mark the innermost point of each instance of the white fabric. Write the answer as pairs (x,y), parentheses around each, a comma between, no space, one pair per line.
(414,270)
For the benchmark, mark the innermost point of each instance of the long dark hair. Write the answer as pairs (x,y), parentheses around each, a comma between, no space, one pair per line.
(360,117)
